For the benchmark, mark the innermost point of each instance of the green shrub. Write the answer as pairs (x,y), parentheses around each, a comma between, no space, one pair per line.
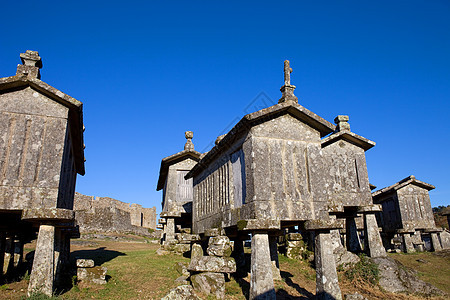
(364,270)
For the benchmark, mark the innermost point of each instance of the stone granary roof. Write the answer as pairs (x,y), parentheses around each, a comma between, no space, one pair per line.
(166,162)
(28,76)
(404,182)
(288,107)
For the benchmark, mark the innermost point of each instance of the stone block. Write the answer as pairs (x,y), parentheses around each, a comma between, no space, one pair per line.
(181,248)
(85,263)
(186,238)
(295,244)
(95,275)
(219,246)
(209,283)
(294,237)
(182,268)
(214,232)
(182,292)
(212,264)
(196,250)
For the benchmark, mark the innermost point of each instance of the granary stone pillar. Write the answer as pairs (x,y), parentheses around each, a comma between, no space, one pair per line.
(18,251)
(352,240)
(238,253)
(327,283)
(373,243)
(8,264)
(273,246)
(435,242)
(261,283)
(2,251)
(43,271)
(407,243)
(170,229)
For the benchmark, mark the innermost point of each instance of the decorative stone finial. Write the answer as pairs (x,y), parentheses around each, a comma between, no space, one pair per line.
(189,145)
(287,89)
(341,122)
(31,63)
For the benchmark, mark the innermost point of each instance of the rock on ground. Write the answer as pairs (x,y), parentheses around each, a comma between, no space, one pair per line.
(396,278)
(182,292)
(345,258)
(210,283)
(212,264)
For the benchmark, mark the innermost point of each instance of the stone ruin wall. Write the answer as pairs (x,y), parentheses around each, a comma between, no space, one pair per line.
(103,214)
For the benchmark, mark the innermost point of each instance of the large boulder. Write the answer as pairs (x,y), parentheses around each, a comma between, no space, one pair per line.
(209,283)
(219,246)
(212,264)
(396,278)
(345,259)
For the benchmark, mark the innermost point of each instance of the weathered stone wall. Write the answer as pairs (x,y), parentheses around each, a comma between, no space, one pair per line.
(32,144)
(110,215)
(415,207)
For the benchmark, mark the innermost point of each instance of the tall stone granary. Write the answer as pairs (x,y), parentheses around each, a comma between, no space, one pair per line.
(41,152)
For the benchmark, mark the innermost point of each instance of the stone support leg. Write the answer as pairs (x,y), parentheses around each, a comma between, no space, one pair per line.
(18,252)
(42,273)
(239,255)
(8,264)
(261,283)
(353,242)
(2,251)
(336,239)
(435,241)
(373,243)
(170,229)
(408,246)
(327,284)
(273,244)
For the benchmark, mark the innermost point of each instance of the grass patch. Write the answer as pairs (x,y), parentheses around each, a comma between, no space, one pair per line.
(365,270)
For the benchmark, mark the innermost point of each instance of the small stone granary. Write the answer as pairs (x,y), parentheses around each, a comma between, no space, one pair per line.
(176,215)
(407,217)
(41,152)
(273,171)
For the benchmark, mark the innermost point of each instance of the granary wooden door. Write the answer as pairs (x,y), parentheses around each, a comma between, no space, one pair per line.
(238,165)
(184,187)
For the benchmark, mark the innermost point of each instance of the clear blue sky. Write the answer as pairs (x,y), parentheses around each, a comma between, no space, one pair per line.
(147,71)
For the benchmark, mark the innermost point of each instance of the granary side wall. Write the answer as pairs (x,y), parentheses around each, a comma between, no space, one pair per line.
(347,180)
(415,207)
(285,171)
(68,176)
(32,135)
(389,218)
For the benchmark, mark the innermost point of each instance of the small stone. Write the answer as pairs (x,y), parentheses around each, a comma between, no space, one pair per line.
(161,251)
(196,251)
(212,264)
(187,238)
(182,269)
(294,237)
(209,283)
(355,296)
(181,248)
(345,258)
(219,246)
(85,263)
(95,275)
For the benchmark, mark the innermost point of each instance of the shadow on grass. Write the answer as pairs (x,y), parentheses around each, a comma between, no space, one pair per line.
(287,278)
(99,255)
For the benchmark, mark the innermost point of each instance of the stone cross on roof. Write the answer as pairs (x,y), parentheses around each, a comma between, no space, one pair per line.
(189,145)
(287,73)
(31,63)
(287,89)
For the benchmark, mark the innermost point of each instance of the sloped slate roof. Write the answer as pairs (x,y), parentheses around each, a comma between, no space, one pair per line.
(350,137)
(294,109)
(404,182)
(11,83)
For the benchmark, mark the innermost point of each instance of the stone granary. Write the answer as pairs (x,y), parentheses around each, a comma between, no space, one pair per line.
(272,171)
(176,215)
(41,152)
(407,216)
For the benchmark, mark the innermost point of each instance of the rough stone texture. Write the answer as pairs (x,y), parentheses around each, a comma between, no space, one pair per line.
(209,284)
(435,242)
(355,296)
(182,268)
(344,258)
(212,264)
(186,238)
(373,242)
(261,282)
(445,239)
(196,250)
(219,246)
(95,275)
(41,278)
(327,285)
(181,248)
(103,214)
(407,243)
(85,263)
(273,246)
(396,278)
(182,292)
